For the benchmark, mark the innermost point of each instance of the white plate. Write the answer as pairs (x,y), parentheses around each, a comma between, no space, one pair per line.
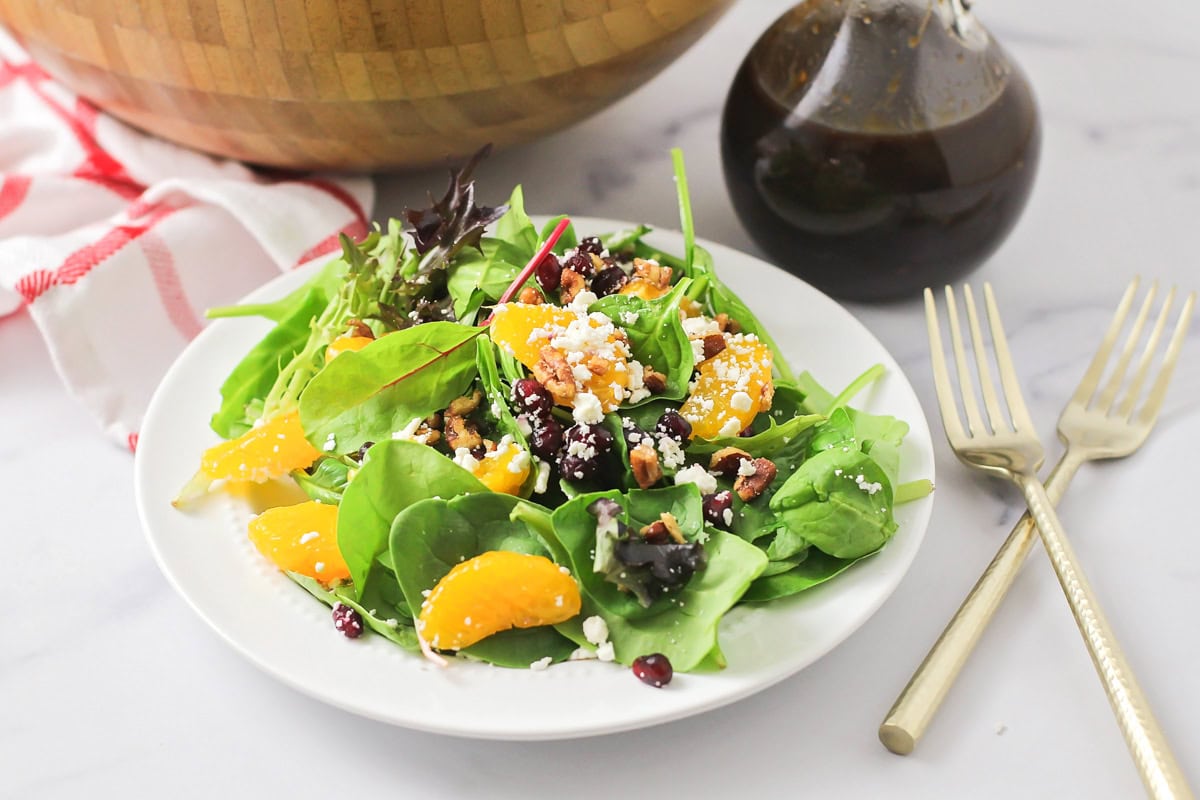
(205,554)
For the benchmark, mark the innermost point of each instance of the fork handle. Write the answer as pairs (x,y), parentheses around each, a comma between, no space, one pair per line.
(920,700)
(1159,770)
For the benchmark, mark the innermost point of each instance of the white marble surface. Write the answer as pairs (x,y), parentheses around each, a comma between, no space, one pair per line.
(109,684)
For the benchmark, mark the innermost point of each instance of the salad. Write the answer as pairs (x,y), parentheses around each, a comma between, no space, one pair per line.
(525,447)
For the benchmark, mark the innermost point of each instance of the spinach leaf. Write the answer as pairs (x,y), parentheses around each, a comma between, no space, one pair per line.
(324,284)
(495,391)
(394,475)
(624,241)
(656,334)
(516,229)
(815,569)
(383,609)
(430,537)
(364,396)
(258,370)
(767,443)
(839,501)
(326,482)
(566,241)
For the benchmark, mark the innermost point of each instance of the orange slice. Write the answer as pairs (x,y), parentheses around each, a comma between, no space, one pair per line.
(505,468)
(345,344)
(730,388)
(494,592)
(301,538)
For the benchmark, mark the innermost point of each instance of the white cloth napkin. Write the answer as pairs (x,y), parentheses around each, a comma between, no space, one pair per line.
(116,241)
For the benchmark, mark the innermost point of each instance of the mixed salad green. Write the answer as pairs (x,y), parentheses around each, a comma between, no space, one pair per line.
(663,529)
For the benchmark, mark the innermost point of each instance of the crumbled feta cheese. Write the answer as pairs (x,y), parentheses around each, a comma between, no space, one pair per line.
(581,373)
(409,432)
(595,630)
(330,444)
(697,350)
(308,537)
(870,487)
(541,664)
(699,327)
(542,482)
(588,410)
(672,453)
(741,402)
(519,462)
(629,317)
(731,427)
(727,515)
(582,301)
(581,654)
(746,467)
(605,652)
(698,475)
(463,457)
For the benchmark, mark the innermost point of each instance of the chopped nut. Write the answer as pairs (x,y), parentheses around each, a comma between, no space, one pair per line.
(599,365)
(767,396)
(572,284)
(359,328)
(726,324)
(643,461)
(672,526)
(598,262)
(713,344)
(652,272)
(726,461)
(433,421)
(461,432)
(751,486)
(656,532)
(530,296)
(554,372)
(461,406)
(655,381)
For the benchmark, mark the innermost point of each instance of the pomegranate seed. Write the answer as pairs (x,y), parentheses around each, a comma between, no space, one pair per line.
(653,670)
(609,281)
(546,439)
(531,396)
(672,424)
(549,273)
(715,508)
(347,621)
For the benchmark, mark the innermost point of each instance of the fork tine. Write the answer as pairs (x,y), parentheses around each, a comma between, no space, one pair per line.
(995,413)
(974,420)
(941,375)
(1159,390)
(1105,399)
(1008,373)
(1091,378)
(1143,367)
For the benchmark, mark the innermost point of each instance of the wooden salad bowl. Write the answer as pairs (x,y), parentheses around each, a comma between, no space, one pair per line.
(354,84)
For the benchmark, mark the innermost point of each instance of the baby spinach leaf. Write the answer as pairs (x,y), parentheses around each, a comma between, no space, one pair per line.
(833,503)
(325,284)
(656,335)
(383,609)
(364,396)
(817,568)
(566,241)
(624,241)
(515,227)
(430,537)
(394,475)
(326,482)
(766,443)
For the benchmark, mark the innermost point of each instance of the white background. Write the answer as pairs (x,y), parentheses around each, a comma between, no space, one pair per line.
(108,683)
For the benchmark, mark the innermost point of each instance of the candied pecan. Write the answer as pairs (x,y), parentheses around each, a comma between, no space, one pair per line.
(572,284)
(655,381)
(727,324)
(727,460)
(652,272)
(461,406)
(359,328)
(461,432)
(554,372)
(599,365)
(434,420)
(530,296)
(767,396)
(751,485)
(655,532)
(643,460)
(599,263)
(672,526)
(713,344)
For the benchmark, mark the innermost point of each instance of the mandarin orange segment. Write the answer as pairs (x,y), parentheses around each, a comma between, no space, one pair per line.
(729,390)
(596,350)
(640,287)
(301,538)
(345,344)
(494,592)
(504,469)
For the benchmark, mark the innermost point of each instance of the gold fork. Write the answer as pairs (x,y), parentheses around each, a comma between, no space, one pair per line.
(1008,447)
(1091,429)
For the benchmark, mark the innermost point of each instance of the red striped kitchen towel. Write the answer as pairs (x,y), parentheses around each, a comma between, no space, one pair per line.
(116,241)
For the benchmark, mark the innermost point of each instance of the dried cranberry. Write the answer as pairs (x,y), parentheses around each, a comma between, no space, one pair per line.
(591,244)
(347,621)
(653,670)
(546,439)
(716,507)
(581,262)
(549,273)
(609,281)
(672,424)
(578,468)
(597,437)
(531,396)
